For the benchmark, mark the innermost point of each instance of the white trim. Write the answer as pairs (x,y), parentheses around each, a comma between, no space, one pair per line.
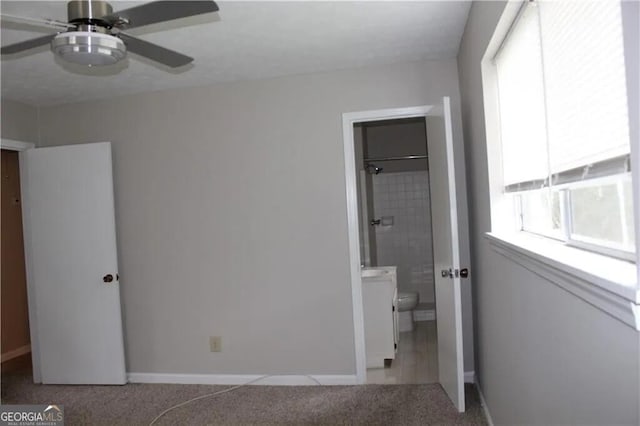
(620,299)
(240,379)
(485,407)
(15,353)
(385,114)
(13,145)
(469,376)
(630,33)
(348,120)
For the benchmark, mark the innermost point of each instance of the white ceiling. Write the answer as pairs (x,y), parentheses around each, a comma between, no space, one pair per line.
(243,41)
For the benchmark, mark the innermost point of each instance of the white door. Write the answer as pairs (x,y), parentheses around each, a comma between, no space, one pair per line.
(446,254)
(72,269)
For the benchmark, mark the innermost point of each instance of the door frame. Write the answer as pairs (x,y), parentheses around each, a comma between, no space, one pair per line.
(13,145)
(18,146)
(348,120)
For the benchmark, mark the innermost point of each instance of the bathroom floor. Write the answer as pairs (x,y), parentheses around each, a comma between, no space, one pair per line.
(416,360)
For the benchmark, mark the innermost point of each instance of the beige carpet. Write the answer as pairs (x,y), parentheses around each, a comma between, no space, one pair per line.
(139,404)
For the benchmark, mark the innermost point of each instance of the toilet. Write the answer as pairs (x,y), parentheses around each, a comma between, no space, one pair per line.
(407,301)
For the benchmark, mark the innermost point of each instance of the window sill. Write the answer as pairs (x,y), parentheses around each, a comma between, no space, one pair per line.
(609,284)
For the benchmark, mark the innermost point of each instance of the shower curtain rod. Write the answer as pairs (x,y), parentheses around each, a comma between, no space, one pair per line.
(405,157)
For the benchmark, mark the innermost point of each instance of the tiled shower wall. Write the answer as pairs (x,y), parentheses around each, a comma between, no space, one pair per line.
(407,243)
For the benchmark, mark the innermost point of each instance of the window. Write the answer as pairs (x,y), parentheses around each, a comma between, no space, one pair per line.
(564,125)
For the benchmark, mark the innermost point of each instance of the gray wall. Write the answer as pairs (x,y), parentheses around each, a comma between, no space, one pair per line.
(543,356)
(231,214)
(19,121)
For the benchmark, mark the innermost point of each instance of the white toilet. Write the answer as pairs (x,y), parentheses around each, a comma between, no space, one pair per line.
(407,301)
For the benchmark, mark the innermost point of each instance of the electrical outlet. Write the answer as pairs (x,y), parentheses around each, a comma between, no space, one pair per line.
(215,343)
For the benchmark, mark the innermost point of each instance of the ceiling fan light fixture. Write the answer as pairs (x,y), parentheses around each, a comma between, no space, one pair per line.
(88,48)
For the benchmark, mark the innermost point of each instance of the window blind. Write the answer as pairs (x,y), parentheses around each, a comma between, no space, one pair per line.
(562,94)
(585,84)
(521,102)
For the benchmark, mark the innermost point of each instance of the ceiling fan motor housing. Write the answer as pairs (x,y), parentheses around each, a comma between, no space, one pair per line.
(88,12)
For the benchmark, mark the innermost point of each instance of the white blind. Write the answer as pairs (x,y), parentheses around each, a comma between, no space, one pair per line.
(562,89)
(584,74)
(521,100)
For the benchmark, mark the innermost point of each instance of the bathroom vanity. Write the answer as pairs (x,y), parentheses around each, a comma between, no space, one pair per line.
(380,301)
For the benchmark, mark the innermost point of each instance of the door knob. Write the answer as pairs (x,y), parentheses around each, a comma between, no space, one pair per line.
(464,272)
(107,278)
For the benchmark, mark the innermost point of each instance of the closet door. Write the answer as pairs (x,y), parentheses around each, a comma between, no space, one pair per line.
(72,266)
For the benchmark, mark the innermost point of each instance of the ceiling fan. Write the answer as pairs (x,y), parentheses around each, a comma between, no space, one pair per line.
(94,33)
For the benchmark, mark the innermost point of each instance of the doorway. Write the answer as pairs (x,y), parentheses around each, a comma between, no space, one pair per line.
(446,243)
(395,230)
(16,342)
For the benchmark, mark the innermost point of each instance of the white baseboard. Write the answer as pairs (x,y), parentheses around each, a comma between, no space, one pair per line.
(256,379)
(240,379)
(16,352)
(469,376)
(485,408)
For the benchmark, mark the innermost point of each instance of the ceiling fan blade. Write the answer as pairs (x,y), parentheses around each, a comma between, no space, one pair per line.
(157,53)
(159,11)
(26,45)
(49,23)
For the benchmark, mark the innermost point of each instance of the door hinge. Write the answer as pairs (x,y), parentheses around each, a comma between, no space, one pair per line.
(393,308)
(395,346)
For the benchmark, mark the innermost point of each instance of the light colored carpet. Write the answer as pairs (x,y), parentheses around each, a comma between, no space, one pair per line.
(139,404)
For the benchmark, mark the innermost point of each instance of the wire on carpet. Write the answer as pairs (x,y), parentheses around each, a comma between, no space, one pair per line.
(211,395)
